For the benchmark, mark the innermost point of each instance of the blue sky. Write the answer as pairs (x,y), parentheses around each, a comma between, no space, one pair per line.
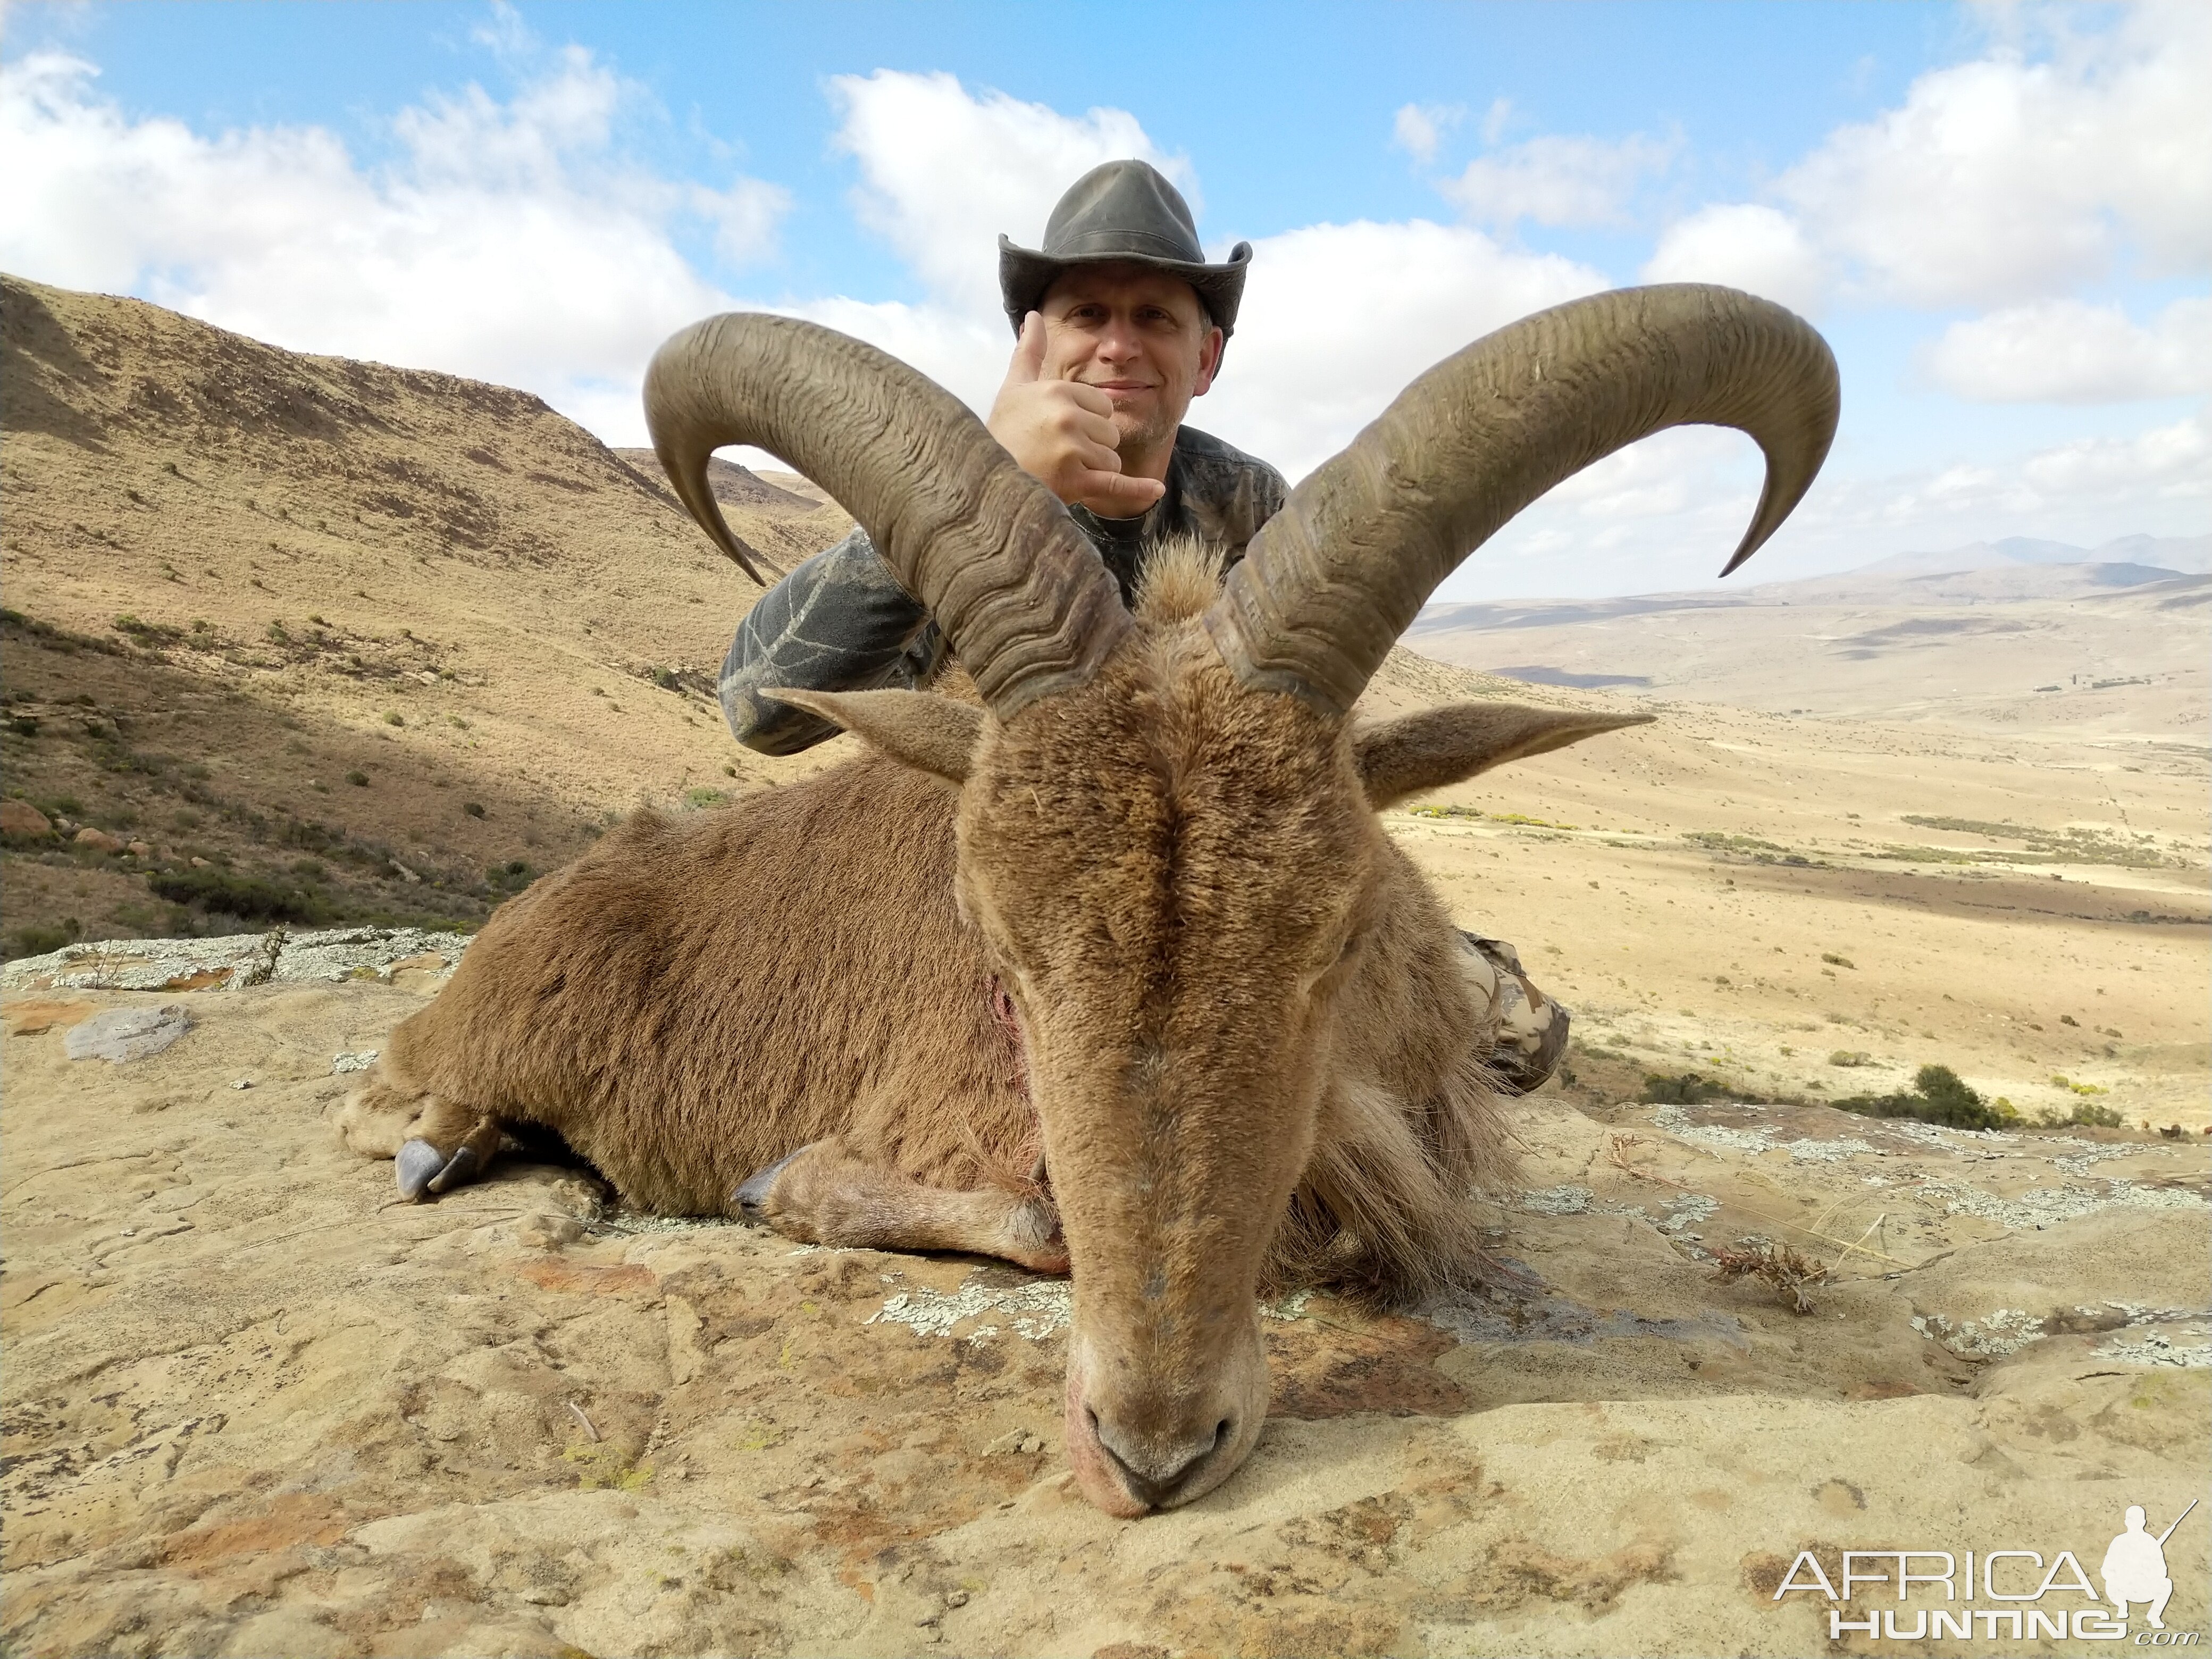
(2001,217)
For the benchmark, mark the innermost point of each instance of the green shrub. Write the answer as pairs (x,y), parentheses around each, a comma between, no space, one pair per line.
(1689,1089)
(250,898)
(2083,1115)
(38,937)
(1939,1096)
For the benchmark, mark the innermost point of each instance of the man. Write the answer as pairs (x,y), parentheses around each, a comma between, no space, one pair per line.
(1119,323)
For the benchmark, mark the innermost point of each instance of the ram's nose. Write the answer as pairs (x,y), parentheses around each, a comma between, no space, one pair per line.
(1152,1467)
(1138,1443)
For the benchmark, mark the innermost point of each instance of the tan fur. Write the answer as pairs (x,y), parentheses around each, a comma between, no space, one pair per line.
(1253,1057)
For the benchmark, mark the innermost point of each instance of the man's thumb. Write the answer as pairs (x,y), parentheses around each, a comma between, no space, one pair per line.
(1028,362)
(1131,496)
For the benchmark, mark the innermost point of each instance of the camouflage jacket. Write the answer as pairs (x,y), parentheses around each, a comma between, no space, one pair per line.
(842,622)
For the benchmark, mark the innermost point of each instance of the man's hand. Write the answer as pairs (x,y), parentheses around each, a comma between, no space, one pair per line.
(1062,434)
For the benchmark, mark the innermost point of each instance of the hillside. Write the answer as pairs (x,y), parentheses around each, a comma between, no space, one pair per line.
(357,637)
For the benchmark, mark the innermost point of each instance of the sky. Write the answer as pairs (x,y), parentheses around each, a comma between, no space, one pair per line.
(2000,215)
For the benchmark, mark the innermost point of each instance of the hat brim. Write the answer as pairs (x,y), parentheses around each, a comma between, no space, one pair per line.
(1025,274)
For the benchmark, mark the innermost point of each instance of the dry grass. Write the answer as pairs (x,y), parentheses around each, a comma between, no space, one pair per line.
(1777,1265)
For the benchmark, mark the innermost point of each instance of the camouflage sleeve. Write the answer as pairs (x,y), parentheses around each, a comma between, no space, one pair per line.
(1269,493)
(838,623)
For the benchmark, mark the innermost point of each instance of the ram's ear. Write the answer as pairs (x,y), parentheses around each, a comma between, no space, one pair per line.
(920,728)
(1438,746)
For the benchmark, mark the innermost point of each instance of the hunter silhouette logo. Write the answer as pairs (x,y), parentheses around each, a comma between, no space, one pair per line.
(2134,1572)
(2135,1567)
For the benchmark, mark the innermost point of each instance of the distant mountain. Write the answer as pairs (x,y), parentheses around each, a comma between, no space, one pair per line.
(2190,554)
(733,485)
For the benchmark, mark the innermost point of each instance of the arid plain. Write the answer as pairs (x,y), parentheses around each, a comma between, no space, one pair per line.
(327,643)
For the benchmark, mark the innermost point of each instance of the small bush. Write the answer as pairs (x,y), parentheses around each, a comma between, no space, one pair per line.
(38,937)
(474,808)
(1689,1089)
(1851,1057)
(252,898)
(391,718)
(146,633)
(2083,1115)
(358,780)
(704,797)
(1839,961)
(1939,1096)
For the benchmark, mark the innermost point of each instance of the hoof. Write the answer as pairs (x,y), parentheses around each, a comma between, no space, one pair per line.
(751,1199)
(463,1169)
(422,1169)
(419,1163)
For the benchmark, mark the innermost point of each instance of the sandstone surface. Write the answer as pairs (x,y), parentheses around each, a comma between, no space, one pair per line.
(254,1405)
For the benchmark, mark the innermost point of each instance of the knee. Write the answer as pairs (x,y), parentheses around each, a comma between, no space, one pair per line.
(376,1117)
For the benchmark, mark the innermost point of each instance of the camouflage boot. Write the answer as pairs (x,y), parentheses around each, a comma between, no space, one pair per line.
(1529,1029)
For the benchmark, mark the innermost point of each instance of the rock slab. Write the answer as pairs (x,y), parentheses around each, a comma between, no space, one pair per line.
(253,1406)
(120,1034)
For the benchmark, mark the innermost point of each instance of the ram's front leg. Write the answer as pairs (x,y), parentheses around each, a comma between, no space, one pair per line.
(434,1143)
(825,1194)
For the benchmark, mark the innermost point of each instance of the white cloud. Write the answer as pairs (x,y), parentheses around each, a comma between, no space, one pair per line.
(943,171)
(1418,129)
(1744,246)
(1662,515)
(2086,490)
(508,242)
(963,353)
(2069,352)
(1557,180)
(2172,463)
(2002,180)
(1337,318)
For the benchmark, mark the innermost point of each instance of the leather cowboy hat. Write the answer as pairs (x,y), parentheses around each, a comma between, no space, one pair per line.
(1124,210)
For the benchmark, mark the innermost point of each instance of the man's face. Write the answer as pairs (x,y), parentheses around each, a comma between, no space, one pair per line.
(1138,335)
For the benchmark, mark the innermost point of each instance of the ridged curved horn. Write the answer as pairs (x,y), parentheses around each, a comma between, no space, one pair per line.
(1026,602)
(1332,580)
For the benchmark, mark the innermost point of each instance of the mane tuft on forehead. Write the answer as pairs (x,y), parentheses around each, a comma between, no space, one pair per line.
(1180,577)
